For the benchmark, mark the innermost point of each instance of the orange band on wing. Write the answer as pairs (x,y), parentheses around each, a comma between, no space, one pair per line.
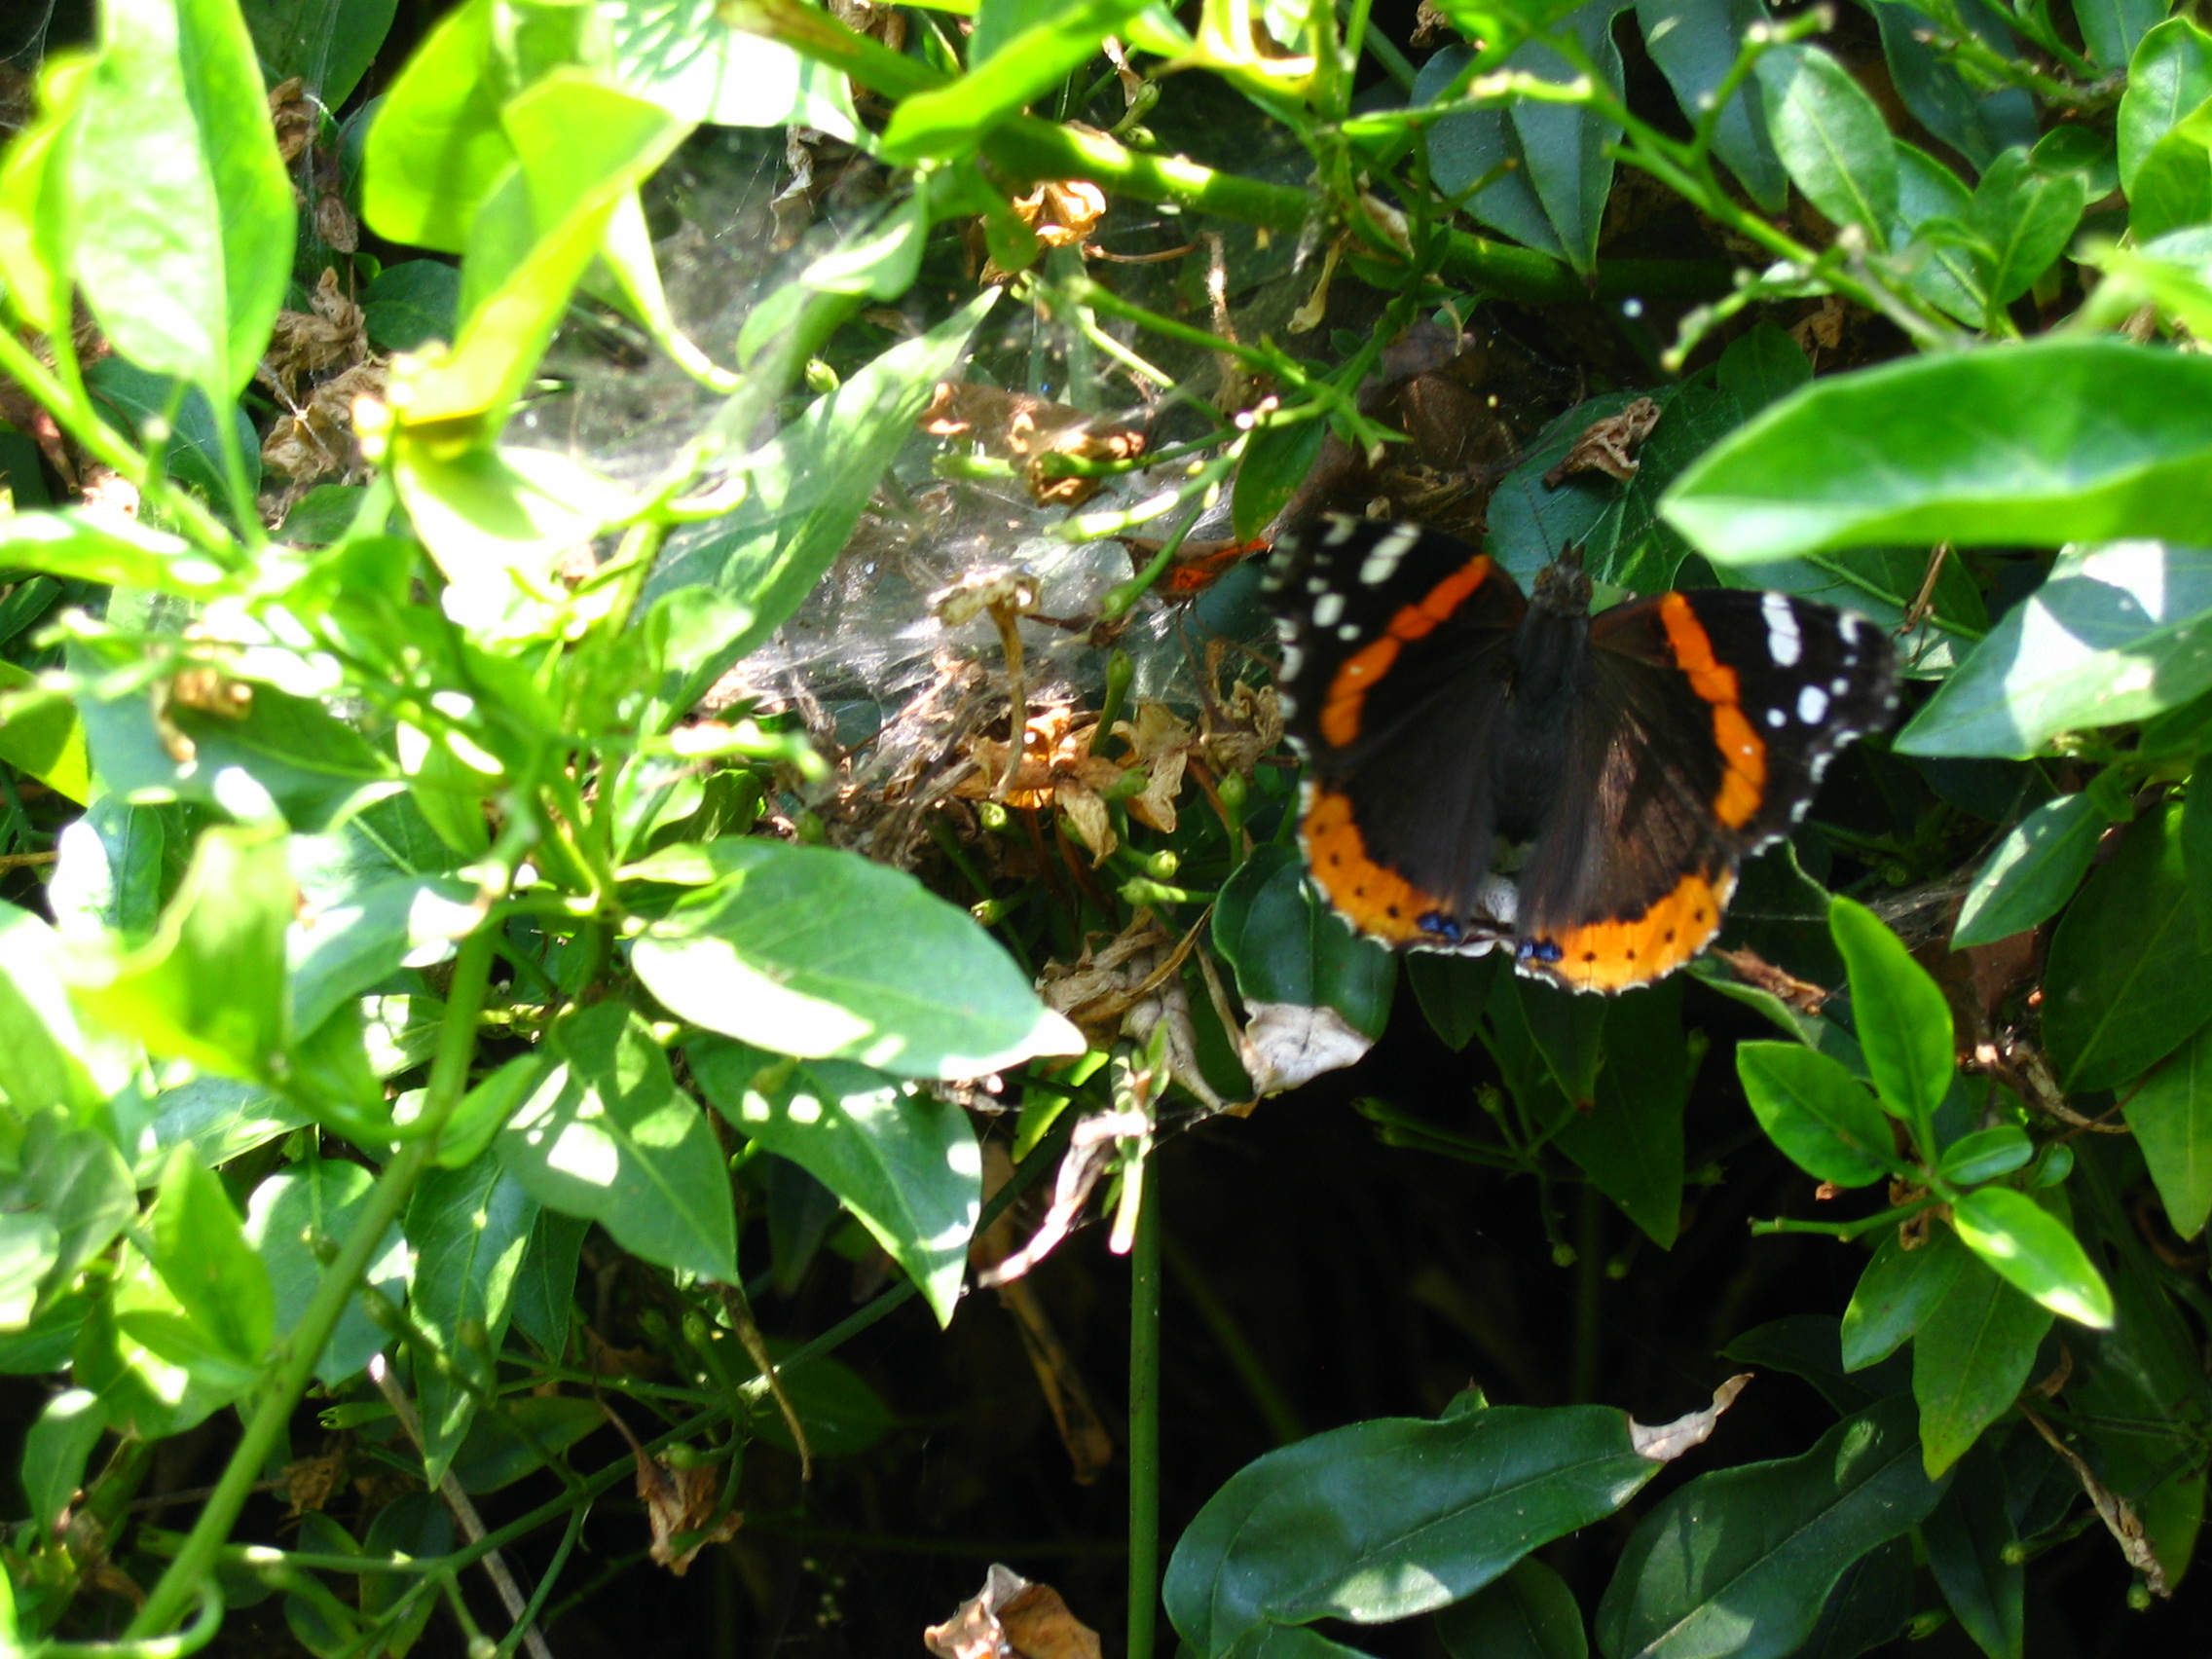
(1376,901)
(1619,955)
(1345,702)
(1742,785)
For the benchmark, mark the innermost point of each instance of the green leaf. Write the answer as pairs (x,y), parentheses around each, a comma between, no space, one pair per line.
(1467,146)
(43,1054)
(194,452)
(409,304)
(1897,1291)
(507,1444)
(2033,872)
(1970,447)
(842,1416)
(1977,122)
(37,219)
(1930,194)
(329,44)
(1810,1346)
(1821,1116)
(468,1229)
(415,1525)
(545,1287)
(57,1450)
(204,1258)
(678,54)
(78,546)
(1904,1022)
(346,949)
(1530,1614)
(1985,1155)
(1398,1516)
(2171,1114)
(111,869)
(807,951)
(2035,1252)
(1970,1358)
(807,486)
(905,1165)
(1567,148)
(2173,186)
(1276,462)
(28,1243)
(1630,1142)
(1453,991)
(1694,42)
(954,117)
(293,1220)
(2169,76)
(2027,218)
(1869,1607)
(83,1187)
(2114,29)
(436,147)
(41,734)
(2115,634)
(2128,980)
(608,1135)
(1974,1552)
(1286,945)
(185,218)
(1739,1562)
(208,987)
(1761,366)
(220,1118)
(1831,138)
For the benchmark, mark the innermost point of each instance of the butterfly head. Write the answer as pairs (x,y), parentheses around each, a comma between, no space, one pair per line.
(1563,586)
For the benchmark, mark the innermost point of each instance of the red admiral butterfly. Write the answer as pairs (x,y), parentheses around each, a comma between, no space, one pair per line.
(1630,760)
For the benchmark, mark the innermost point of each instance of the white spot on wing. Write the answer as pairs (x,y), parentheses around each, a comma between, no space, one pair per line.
(1784,642)
(1383,559)
(1293,659)
(1341,531)
(1348,632)
(1777,719)
(1327,609)
(1848,626)
(1839,686)
(1812,705)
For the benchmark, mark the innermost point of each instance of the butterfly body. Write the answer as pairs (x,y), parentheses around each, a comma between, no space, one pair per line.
(1488,769)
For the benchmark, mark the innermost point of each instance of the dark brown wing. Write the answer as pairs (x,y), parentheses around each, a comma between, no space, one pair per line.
(1396,647)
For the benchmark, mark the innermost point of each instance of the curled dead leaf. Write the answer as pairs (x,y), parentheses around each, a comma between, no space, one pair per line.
(1012,425)
(1608,445)
(1664,1442)
(1284,1045)
(1011,1618)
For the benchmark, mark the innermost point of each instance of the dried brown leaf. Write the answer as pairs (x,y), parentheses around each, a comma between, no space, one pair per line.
(1608,445)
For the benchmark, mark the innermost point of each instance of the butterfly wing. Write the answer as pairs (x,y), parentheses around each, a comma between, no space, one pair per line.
(1709,720)
(1396,649)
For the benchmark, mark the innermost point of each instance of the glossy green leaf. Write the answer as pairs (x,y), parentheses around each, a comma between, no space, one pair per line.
(219,1118)
(408,305)
(608,1135)
(1286,946)
(1276,462)
(41,734)
(1895,1293)
(953,117)
(295,1219)
(679,54)
(2034,870)
(346,949)
(436,147)
(208,987)
(2169,76)
(2117,633)
(82,1187)
(57,1450)
(1761,366)
(1986,1154)
(185,217)
(1868,1605)
(37,220)
(1970,1358)
(27,1245)
(2196,849)
(1929,193)
(545,1286)
(2026,217)
(1566,148)
(468,1229)
(2128,980)
(43,1054)
(1530,1614)
(138,401)
(1468,146)
(807,486)
(1972,447)
(111,869)
(1694,42)
(1831,138)
(1453,991)
(1386,1518)
(79,546)
(1738,1563)
(418,1525)
(1628,1142)
(1810,1346)
(842,1416)
(2114,29)
(202,1255)
(1974,120)
(1975,1554)
(2171,1114)
(2035,1252)
(1904,1022)
(907,1165)
(507,1444)
(807,951)
(2173,186)
(1821,1116)
(329,44)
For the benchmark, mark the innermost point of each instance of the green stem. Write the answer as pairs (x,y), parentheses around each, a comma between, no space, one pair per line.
(1843,1229)
(1144,1427)
(185,1641)
(188,1573)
